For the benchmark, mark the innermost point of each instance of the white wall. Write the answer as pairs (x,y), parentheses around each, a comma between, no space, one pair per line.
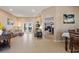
(57,13)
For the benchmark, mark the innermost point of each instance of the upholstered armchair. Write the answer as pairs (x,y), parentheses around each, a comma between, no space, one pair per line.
(7,37)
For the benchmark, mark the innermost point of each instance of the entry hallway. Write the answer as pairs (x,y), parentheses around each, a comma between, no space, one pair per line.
(29,44)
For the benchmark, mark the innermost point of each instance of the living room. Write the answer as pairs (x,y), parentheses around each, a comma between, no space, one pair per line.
(13,19)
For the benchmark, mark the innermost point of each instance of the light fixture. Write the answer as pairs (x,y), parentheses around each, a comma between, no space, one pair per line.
(33,10)
(10,9)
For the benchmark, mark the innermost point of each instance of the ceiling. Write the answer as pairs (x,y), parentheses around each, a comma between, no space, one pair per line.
(24,11)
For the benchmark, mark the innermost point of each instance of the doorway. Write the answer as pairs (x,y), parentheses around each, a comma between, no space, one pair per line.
(48,25)
(28,27)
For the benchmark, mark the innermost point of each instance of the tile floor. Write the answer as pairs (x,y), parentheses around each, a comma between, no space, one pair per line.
(29,44)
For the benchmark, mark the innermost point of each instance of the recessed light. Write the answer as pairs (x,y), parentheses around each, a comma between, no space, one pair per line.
(33,10)
(11,9)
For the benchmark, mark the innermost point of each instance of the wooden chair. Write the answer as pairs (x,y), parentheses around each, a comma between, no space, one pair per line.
(77,30)
(71,31)
(74,41)
(71,38)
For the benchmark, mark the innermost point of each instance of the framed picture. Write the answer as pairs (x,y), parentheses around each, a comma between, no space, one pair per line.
(9,21)
(68,19)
